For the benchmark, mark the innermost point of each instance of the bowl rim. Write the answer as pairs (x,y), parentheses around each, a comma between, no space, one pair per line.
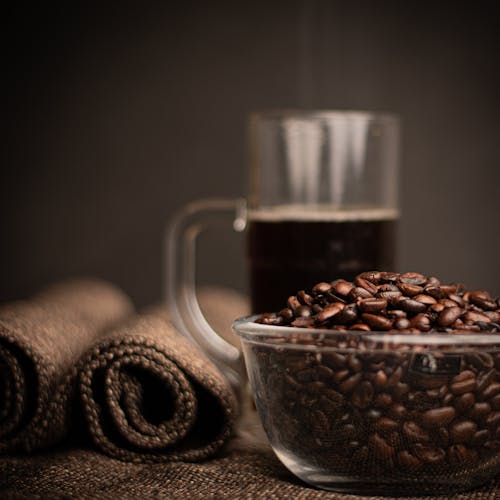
(246,328)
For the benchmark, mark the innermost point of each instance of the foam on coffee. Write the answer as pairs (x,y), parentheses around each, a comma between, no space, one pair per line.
(291,213)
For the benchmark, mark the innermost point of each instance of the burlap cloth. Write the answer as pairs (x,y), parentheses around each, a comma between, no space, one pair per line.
(129,447)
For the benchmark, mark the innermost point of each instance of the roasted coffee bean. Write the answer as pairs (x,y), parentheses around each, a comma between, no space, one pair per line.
(380,380)
(354,363)
(429,454)
(374,276)
(464,402)
(480,411)
(360,327)
(301,322)
(340,375)
(483,300)
(342,287)
(367,285)
(425,299)
(348,315)
(435,291)
(495,402)
(412,279)
(456,298)
(350,383)
(377,322)
(359,293)
(389,277)
(462,383)
(382,400)
(322,287)
(334,360)
(421,322)
(493,419)
(397,412)
(372,305)
(449,315)
(490,391)
(392,298)
(412,306)
(293,303)
(303,312)
(408,461)
(362,395)
(305,298)
(480,437)
(402,323)
(438,417)
(472,316)
(379,446)
(457,454)
(286,313)
(414,433)
(329,312)
(462,431)
(386,426)
(410,290)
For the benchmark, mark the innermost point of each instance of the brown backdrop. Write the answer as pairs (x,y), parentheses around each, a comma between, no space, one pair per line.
(116,115)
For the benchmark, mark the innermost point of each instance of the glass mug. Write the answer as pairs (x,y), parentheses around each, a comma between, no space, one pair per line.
(322,204)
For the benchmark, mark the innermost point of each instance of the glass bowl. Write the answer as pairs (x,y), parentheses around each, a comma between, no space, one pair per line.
(378,413)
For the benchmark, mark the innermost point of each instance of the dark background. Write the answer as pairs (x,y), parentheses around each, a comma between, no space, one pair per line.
(116,114)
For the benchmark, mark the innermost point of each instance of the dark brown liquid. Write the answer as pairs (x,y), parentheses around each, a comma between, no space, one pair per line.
(287,256)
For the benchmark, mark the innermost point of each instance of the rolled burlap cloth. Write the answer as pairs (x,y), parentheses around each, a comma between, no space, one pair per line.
(147,394)
(41,339)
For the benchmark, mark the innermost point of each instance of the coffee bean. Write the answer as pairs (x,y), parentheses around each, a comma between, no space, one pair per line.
(483,300)
(389,277)
(348,315)
(480,411)
(330,311)
(410,290)
(303,312)
(412,279)
(379,447)
(377,322)
(321,288)
(421,322)
(362,395)
(464,402)
(293,303)
(360,327)
(480,437)
(457,454)
(380,380)
(462,383)
(449,315)
(382,400)
(401,323)
(305,298)
(342,287)
(425,299)
(429,454)
(435,291)
(414,433)
(354,363)
(334,360)
(495,402)
(286,313)
(412,306)
(391,297)
(491,390)
(456,298)
(374,276)
(408,462)
(493,419)
(367,285)
(386,425)
(438,417)
(301,322)
(372,305)
(462,431)
(350,383)
(340,375)
(397,412)
(472,316)
(359,293)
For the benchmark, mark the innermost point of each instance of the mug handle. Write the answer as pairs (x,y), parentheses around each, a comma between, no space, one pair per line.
(180,247)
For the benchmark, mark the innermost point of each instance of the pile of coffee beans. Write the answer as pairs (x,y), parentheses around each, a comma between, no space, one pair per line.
(390,302)
(342,406)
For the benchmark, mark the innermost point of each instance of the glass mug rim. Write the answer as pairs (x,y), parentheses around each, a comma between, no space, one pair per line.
(257,333)
(324,114)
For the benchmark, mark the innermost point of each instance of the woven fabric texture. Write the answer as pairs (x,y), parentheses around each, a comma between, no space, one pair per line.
(40,341)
